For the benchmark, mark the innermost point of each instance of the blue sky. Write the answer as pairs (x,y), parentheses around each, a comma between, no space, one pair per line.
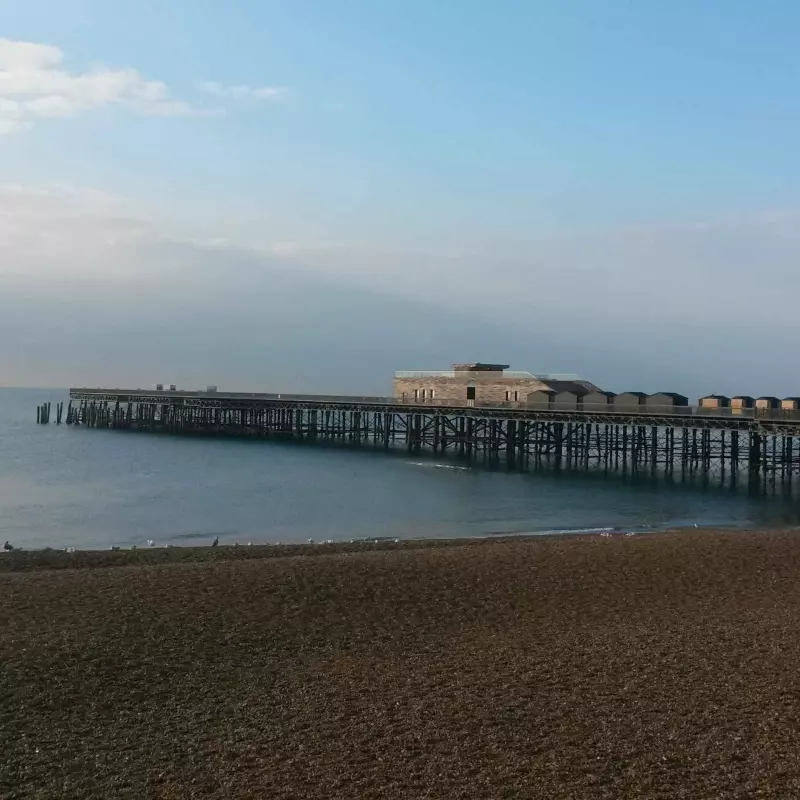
(510,165)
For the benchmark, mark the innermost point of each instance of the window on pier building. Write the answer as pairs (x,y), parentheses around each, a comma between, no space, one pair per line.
(512,394)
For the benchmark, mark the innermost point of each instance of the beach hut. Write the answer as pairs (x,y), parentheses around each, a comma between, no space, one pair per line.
(629,401)
(714,401)
(763,403)
(541,398)
(741,401)
(666,400)
(567,401)
(790,403)
(597,401)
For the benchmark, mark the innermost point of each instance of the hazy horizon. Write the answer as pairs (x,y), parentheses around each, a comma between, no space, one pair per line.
(307,196)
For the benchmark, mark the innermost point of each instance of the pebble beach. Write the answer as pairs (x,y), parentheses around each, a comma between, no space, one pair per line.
(658,666)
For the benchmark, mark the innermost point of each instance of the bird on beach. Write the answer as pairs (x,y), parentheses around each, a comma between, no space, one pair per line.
(151,543)
(215,542)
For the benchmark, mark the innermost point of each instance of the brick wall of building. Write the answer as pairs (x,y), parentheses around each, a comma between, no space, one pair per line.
(454,390)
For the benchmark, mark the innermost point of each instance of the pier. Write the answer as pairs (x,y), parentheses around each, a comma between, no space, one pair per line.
(725,445)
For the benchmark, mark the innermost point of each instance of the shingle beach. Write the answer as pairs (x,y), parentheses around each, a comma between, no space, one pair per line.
(660,666)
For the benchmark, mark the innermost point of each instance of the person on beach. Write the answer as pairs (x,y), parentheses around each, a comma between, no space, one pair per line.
(8,546)
(215,542)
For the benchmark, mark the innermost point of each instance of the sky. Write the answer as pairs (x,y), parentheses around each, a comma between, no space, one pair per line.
(305,195)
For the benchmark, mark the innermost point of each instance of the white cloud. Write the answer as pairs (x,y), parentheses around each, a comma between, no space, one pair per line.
(243,92)
(34,86)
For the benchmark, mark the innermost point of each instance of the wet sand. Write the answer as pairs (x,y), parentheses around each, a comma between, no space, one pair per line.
(660,666)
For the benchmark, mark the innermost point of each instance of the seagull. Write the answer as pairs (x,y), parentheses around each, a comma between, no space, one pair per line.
(310,541)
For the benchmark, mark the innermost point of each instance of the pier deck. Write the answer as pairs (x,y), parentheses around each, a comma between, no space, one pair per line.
(669,441)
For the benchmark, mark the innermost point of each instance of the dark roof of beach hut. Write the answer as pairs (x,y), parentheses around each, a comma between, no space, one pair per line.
(568,386)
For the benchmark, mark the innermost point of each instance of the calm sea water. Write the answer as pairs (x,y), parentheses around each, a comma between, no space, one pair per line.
(64,486)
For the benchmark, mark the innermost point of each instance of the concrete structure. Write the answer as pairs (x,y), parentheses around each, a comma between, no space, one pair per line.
(481,383)
(714,401)
(666,399)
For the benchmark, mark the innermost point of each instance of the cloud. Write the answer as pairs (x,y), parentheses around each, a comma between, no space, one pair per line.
(34,86)
(692,308)
(242,92)
(107,297)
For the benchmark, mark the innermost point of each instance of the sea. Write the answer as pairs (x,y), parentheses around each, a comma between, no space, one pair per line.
(69,486)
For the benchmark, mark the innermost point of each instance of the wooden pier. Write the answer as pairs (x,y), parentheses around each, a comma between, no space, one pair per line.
(721,444)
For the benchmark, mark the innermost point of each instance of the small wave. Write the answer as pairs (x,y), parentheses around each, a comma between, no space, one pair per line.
(583,530)
(204,535)
(438,466)
(556,532)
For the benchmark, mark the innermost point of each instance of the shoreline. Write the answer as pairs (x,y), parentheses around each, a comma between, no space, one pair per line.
(21,560)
